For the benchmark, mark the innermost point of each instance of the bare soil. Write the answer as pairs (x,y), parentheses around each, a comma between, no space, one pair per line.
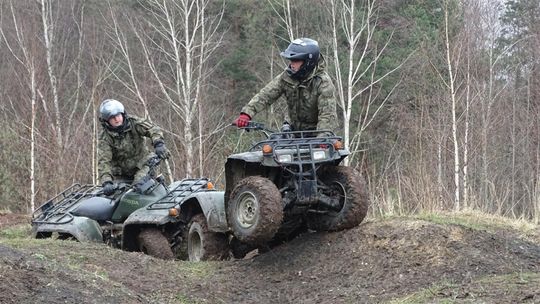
(398,260)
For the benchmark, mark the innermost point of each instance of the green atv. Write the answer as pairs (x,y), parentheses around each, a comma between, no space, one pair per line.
(288,183)
(185,220)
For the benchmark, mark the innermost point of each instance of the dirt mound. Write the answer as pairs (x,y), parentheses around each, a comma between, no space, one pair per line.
(400,260)
(380,261)
(27,279)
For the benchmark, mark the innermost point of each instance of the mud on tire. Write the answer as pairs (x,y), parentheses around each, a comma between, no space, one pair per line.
(254,210)
(180,248)
(153,242)
(204,245)
(350,186)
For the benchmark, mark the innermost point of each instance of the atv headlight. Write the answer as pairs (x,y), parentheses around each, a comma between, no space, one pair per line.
(285,158)
(319,155)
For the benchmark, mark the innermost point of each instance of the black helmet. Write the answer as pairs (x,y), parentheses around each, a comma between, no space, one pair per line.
(110,108)
(305,49)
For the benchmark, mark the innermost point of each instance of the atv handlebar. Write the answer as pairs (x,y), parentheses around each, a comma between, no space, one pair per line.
(257,126)
(286,131)
(252,125)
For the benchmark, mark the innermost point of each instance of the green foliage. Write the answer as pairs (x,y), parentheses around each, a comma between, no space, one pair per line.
(15,232)
(244,63)
(520,19)
(520,22)
(233,66)
(414,31)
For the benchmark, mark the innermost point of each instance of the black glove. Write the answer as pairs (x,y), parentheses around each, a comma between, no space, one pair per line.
(108,188)
(161,150)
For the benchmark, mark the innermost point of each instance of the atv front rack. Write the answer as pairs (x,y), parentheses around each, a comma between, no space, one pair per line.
(300,154)
(301,142)
(184,188)
(57,209)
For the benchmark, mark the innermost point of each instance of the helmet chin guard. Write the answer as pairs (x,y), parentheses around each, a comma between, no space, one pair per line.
(304,49)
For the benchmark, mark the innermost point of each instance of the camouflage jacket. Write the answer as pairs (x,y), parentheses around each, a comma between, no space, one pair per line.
(311,102)
(124,153)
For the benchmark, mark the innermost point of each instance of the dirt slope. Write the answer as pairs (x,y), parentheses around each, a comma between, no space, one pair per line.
(383,261)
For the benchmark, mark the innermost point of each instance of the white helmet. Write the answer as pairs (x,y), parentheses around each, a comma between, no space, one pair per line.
(110,108)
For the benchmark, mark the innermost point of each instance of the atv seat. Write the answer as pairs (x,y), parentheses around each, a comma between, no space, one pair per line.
(96,208)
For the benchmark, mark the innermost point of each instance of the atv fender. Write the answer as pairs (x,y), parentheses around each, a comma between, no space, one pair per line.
(212,204)
(82,228)
(250,157)
(142,217)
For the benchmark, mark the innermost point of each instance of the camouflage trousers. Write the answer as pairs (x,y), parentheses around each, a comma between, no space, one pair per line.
(134,175)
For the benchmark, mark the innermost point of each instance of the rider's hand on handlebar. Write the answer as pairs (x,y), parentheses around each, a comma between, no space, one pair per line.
(242,120)
(108,188)
(161,150)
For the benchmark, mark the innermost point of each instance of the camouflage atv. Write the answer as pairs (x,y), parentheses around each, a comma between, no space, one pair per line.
(289,182)
(185,220)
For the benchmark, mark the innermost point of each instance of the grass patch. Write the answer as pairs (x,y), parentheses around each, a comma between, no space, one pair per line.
(58,256)
(183,299)
(15,232)
(473,292)
(26,242)
(426,296)
(479,221)
(195,270)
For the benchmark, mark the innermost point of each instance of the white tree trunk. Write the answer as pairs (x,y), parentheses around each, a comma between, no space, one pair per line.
(26,60)
(452,92)
(48,36)
(185,46)
(33,142)
(359,26)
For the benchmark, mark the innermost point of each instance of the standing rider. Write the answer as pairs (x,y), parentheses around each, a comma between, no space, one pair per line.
(122,149)
(306,86)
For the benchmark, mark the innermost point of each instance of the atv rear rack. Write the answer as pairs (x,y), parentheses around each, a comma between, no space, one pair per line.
(186,187)
(57,209)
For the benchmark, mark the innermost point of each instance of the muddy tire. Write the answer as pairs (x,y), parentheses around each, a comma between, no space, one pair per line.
(204,245)
(350,187)
(255,211)
(154,243)
(180,250)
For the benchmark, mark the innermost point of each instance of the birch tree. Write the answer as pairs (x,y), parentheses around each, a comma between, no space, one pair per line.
(19,48)
(356,69)
(176,39)
(282,9)
(48,40)
(451,86)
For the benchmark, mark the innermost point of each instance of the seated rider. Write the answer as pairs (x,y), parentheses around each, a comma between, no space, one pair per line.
(122,148)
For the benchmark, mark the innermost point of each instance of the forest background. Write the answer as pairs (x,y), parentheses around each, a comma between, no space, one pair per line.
(438,100)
